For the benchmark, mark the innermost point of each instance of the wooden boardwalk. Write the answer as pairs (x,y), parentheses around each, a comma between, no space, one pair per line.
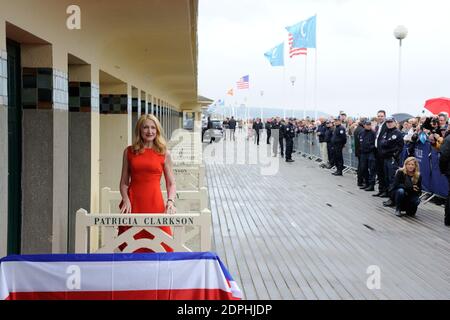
(305,234)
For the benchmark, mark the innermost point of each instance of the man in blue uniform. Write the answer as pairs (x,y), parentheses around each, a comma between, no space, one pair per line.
(289,135)
(338,140)
(390,148)
(367,156)
(328,134)
(281,133)
(356,135)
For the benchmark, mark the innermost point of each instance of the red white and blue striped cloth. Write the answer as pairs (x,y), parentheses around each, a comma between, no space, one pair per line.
(165,276)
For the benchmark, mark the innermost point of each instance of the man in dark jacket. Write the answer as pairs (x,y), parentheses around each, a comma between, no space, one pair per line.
(328,135)
(257,126)
(367,156)
(390,147)
(338,140)
(356,133)
(290,135)
(232,127)
(444,165)
(321,129)
(269,130)
(281,136)
(210,129)
(379,132)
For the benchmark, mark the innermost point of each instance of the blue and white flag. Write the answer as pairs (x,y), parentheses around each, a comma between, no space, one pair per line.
(276,55)
(304,33)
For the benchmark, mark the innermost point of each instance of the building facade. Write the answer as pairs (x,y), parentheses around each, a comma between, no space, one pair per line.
(73,81)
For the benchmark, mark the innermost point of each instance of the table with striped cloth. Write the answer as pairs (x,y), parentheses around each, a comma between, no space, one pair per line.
(164,276)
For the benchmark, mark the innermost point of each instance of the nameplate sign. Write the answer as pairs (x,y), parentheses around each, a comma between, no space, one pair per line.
(141,220)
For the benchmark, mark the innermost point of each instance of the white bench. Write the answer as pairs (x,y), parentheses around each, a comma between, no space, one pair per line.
(199,224)
(191,202)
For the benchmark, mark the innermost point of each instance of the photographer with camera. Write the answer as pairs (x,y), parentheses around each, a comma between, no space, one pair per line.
(434,132)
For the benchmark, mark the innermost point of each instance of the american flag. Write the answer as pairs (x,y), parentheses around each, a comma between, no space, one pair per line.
(243,83)
(295,51)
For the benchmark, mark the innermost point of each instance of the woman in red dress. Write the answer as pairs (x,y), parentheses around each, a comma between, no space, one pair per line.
(143,164)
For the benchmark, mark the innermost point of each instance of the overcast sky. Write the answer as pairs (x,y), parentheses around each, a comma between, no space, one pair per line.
(357,54)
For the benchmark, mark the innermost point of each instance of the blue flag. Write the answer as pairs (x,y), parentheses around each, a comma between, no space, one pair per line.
(276,55)
(304,33)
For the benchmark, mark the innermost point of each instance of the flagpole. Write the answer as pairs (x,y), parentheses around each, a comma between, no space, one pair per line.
(261,108)
(315,77)
(246,97)
(305,86)
(284,92)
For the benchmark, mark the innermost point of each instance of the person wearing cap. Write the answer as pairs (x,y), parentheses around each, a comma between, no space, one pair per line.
(367,156)
(281,137)
(338,140)
(289,135)
(328,134)
(356,135)
(390,148)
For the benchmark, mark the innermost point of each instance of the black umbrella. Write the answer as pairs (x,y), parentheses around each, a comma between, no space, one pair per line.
(401,117)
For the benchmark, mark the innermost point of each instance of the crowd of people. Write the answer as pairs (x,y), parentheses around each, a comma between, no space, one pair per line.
(377,142)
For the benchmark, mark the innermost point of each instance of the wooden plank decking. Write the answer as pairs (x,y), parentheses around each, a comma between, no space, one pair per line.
(305,234)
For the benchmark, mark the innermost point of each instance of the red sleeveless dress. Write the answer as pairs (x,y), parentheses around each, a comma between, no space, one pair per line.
(145,191)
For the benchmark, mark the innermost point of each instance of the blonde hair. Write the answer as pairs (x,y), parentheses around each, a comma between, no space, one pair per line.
(416,175)
(159,144)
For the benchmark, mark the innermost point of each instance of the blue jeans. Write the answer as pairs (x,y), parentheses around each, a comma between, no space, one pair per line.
(408,203)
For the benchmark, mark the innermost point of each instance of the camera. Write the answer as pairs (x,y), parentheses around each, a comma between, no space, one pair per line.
(430,124)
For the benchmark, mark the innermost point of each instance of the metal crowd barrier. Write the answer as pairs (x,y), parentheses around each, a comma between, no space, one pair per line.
(309,144)
(434,184)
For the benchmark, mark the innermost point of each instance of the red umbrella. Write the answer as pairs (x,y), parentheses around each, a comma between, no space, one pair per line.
(438,105)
